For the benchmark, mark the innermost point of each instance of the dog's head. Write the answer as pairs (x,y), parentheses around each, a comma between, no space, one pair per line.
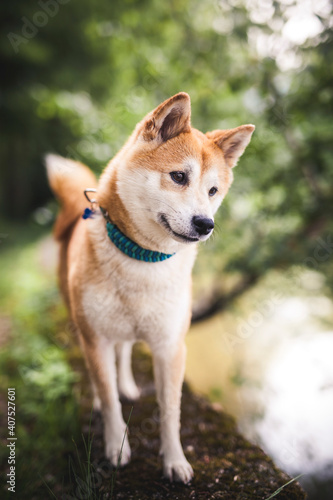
(170,178)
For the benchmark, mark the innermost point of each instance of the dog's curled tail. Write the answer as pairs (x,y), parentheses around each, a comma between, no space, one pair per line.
(68,179)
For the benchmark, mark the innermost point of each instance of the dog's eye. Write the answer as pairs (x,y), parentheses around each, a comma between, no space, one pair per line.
(178,177)
(212,191)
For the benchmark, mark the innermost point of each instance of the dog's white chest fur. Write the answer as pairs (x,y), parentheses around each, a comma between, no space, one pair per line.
(138,300)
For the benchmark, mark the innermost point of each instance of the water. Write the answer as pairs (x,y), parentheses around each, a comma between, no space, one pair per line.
(269,361)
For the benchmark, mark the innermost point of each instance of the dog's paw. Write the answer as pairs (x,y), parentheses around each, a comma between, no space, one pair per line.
(118,453)
(129,391)
(178,470)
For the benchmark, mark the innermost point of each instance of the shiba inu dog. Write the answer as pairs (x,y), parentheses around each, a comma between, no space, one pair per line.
(125,271)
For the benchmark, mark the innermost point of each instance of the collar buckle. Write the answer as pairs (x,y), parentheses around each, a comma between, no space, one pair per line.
(89,212)
(92,201)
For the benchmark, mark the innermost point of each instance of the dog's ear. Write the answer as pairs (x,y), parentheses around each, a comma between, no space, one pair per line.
(232,142)
(169,119)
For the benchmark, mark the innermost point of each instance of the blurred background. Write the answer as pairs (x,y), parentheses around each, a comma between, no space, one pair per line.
(75,79)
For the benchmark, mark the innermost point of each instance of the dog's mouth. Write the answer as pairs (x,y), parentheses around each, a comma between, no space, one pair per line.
(182,237)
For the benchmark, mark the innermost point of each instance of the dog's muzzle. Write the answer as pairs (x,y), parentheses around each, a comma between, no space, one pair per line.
(202,225)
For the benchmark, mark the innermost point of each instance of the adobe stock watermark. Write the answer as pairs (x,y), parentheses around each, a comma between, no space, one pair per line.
(88,487)
(248,327)
(290,453)
(31,27)
(322,252)
(60,164)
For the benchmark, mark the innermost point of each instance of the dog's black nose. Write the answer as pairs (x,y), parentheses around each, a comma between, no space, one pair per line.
(202,225)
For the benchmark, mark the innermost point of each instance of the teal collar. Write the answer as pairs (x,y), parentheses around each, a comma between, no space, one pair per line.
(128,246)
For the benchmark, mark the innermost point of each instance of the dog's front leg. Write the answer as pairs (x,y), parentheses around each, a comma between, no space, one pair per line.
(126,383)
(169,368)
(101,361)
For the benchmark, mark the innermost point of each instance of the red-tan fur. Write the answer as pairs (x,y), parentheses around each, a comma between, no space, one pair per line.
(115,300)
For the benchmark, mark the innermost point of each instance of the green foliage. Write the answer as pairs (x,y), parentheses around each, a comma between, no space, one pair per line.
(81,83)
(36,364)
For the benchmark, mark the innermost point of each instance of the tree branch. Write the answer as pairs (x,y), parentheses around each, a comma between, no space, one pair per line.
(221,301)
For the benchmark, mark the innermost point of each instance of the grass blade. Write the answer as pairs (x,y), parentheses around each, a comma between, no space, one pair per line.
(281,488)
(47,486)
(113,476)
